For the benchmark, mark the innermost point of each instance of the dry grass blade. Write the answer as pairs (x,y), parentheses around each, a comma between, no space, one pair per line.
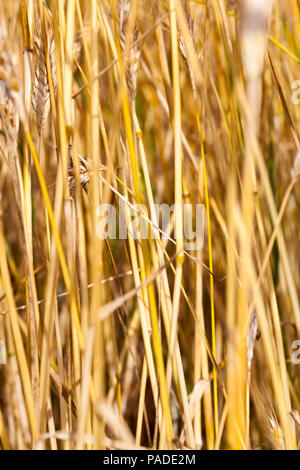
(115,424)
(253,334)
(194,399)
(296,416)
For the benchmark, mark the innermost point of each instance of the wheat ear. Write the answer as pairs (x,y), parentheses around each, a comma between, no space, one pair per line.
(41,89)
(134,53)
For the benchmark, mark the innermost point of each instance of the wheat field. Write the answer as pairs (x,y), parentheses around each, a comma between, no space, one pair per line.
(139,341)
